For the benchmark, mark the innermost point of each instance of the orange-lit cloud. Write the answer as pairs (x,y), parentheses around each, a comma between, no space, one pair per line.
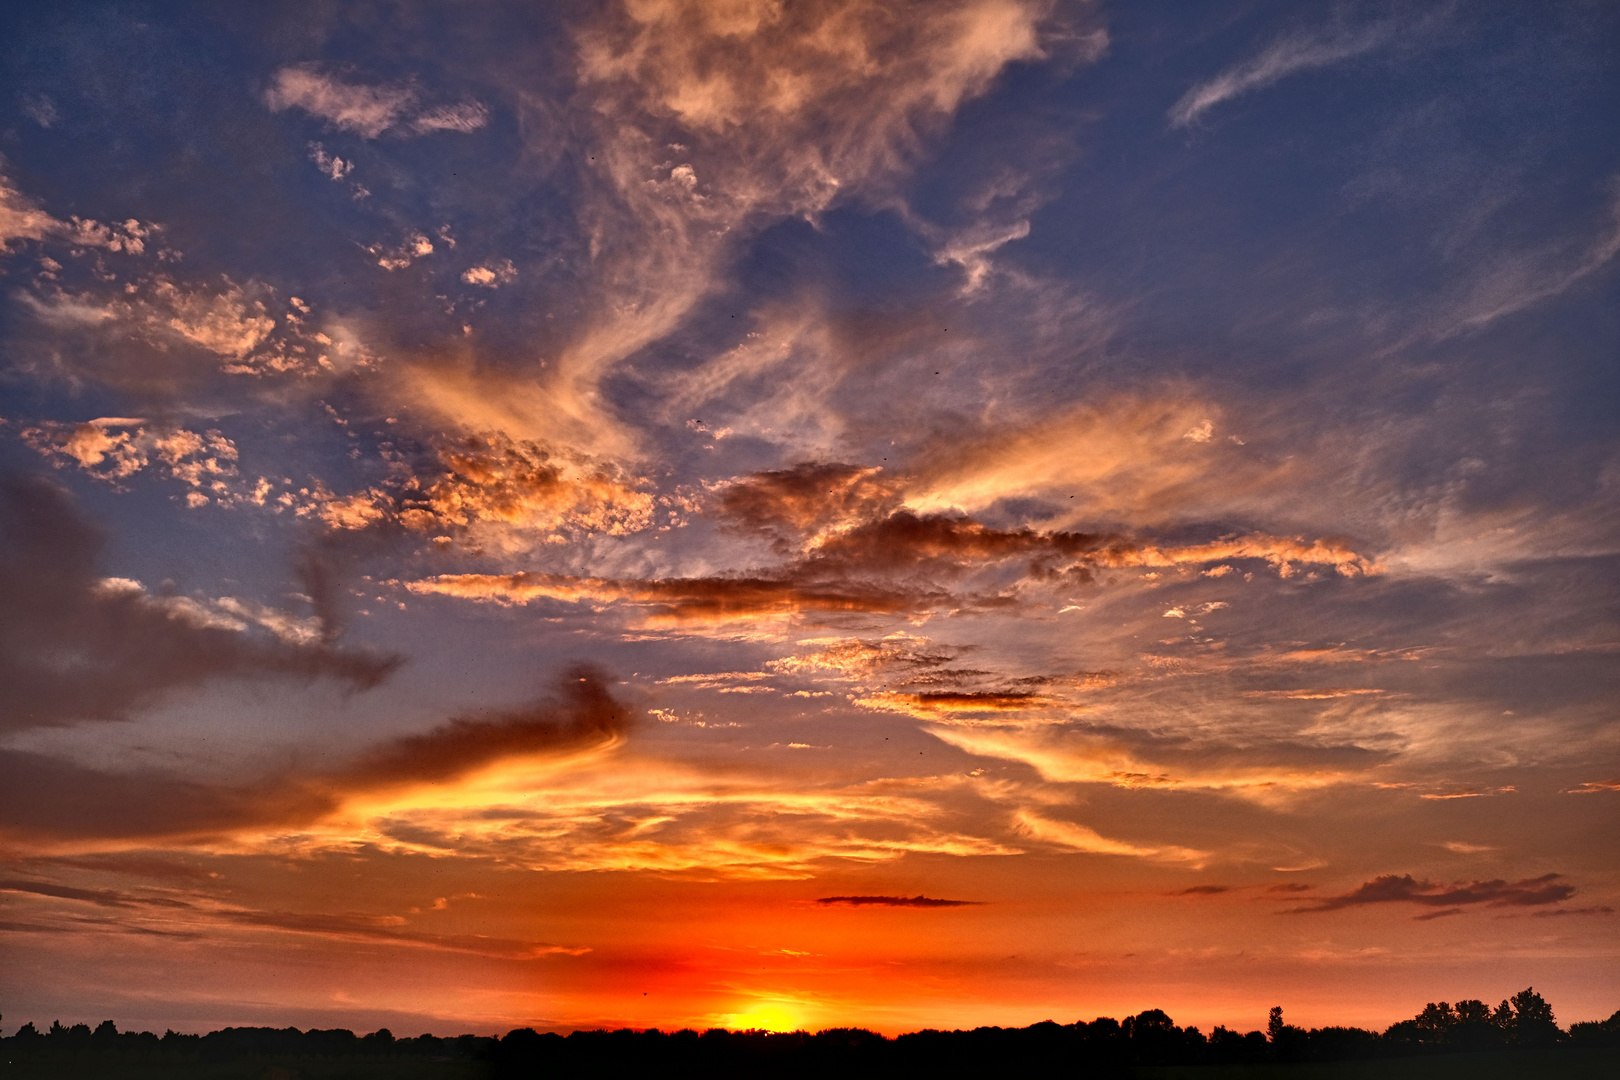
(1121,758)
(695,599)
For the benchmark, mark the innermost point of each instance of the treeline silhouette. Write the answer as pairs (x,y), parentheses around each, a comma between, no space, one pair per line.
(1101,1047)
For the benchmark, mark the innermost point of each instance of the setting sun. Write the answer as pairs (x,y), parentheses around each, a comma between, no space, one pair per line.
(764,1016)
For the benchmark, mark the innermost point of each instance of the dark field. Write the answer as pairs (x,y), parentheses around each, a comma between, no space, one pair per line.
(1563,1063)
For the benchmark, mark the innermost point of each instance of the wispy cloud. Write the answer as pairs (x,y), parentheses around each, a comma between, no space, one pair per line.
(367,111)
(1287,56)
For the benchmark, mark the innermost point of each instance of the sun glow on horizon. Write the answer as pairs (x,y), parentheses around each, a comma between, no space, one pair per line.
(765,1015)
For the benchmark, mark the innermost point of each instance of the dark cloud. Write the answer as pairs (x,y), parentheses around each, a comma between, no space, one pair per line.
(789,504)
(353,925)
(583,714)
(316,574)
(99,897)
(73,648)
(134,865)
(350,925)
(1404,888)
(1602,909)
(906,541)
(1204,890)
(869,533)
(918,901)
(45,797)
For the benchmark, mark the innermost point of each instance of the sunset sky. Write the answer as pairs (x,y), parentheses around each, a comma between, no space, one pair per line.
(741,513)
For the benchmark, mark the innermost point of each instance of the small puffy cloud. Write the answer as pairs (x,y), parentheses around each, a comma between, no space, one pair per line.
(495,479)
(228,322)
(399,256)
(21,219)
(111,448)
(485,483)
(367,111)
(490,275)
(234,322)
(331,165)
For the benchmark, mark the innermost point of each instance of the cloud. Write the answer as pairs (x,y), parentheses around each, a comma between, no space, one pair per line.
(99,897)
(500,490)
(1124,460)
(1204,890)
(111,448)
(75,646)
(918,901)
(21,219)
(1405,889)
(235,323)
(806,500)
(709,123)
(1592,787)
(584,716)
(44,798)
(367,111)
(711,599)
(1073,754)
(389,928)
(938,704)
(847,514)
(1297,52)
(466,117)
(490,276)
(902,564)
(1080,838)
(1601,909)
(1506,282)
(854,658)
(170,916)
(903,540)
(491,478)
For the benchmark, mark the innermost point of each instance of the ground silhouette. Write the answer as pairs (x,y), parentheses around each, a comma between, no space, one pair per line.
(1520,1037)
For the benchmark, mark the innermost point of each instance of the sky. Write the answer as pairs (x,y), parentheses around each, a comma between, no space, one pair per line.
(806,514)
